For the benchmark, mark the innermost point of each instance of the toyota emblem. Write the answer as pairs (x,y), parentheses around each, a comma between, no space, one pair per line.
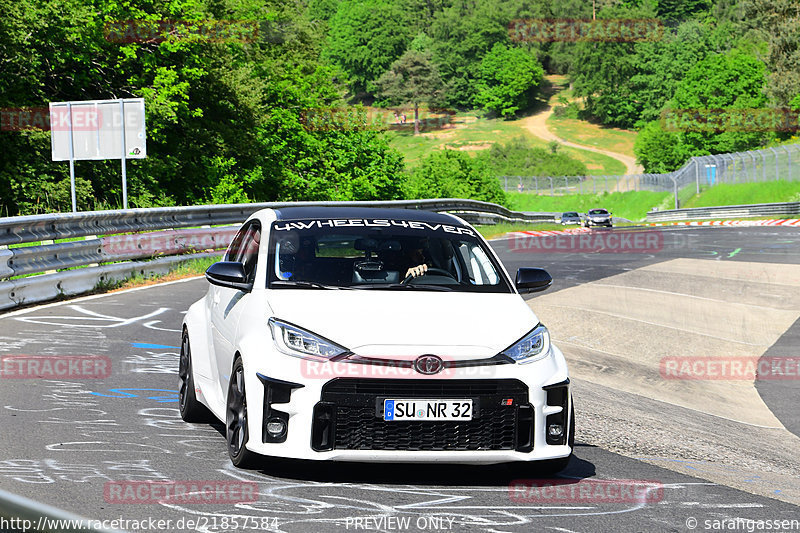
(428,364)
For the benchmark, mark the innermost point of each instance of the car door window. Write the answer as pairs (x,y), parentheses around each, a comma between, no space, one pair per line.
(244,249)
(478,265)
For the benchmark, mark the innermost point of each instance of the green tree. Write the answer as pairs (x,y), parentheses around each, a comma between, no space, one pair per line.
(777,22)
(411,79)
(453,174)
(682,9)
(365,37)
(463,33)
(602,71)
(508,79)
(658,150)
(224,119)
(720,81)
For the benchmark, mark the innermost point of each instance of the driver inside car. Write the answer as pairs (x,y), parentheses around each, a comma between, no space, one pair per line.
(414,257)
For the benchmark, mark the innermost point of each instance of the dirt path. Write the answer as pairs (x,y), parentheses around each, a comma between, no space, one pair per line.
(537,124)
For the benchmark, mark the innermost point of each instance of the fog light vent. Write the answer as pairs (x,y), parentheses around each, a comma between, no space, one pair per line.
(276,427)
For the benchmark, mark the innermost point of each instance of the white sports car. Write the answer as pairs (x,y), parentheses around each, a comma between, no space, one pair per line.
(356,334)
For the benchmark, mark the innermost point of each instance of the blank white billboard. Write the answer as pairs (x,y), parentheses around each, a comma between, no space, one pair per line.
(93,129)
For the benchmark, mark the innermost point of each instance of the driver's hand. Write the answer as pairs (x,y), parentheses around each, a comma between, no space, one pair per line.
(417,271)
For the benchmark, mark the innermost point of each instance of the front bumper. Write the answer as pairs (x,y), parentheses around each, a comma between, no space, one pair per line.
(602,222)
(338,418)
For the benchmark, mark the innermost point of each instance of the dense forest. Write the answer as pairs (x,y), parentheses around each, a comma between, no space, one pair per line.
(227,112)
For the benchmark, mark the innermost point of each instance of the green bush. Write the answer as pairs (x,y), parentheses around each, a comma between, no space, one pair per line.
(519,158)
(453,174)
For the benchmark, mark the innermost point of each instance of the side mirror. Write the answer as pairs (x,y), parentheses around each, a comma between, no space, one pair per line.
(228,274)
(532,280)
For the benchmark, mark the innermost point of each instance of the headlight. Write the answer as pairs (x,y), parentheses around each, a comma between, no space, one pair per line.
(297,342)
(532,347)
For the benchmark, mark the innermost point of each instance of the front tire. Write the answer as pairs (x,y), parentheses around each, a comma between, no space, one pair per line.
(190,408)
(236,431)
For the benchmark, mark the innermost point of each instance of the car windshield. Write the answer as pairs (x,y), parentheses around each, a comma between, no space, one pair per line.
(598,212)
(377,253)
(570,214)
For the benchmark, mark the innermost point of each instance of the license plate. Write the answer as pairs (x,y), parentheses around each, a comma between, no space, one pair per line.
(422,410)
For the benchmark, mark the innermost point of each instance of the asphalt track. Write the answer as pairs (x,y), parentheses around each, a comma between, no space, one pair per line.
(62,442)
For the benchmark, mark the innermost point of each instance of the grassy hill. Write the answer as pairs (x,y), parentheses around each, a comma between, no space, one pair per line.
(471,132)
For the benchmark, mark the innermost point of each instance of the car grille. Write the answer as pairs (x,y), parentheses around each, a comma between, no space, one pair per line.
(348,417)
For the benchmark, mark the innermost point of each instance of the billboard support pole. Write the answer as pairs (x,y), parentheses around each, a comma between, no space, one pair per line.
(71,162)
(124,170)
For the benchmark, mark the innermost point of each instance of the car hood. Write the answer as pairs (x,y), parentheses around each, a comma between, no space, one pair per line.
(408,322)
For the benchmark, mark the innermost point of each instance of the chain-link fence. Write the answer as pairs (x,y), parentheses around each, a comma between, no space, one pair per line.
(769,164)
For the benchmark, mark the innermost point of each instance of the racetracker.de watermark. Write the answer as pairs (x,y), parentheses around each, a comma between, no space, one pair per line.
(159,31)
(585,30)
(321,119)
(396,367)
(643,241)
(55,367)
(167,242)
(730,368)
(730,119)
(542,491)
(83,118)
(180,492)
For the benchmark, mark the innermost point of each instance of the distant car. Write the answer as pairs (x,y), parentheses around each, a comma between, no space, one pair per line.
(571,217)
(310,344)
(598,217)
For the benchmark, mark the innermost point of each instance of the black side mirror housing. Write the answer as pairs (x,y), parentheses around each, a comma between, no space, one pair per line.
(532,280)
(228,274)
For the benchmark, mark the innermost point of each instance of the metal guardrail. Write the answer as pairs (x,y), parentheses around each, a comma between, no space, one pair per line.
(65,225)
(132,235)
(738,211)
(22,514)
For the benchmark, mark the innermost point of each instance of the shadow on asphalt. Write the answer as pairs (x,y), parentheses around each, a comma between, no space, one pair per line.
(418,474)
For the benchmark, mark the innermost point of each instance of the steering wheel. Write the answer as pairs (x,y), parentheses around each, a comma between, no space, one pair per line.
(432,270)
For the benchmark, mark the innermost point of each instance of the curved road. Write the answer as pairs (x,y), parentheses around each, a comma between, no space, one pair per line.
(70,442)
(537,124)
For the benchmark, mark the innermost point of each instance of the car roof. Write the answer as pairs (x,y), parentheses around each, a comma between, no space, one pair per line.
(316,212)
